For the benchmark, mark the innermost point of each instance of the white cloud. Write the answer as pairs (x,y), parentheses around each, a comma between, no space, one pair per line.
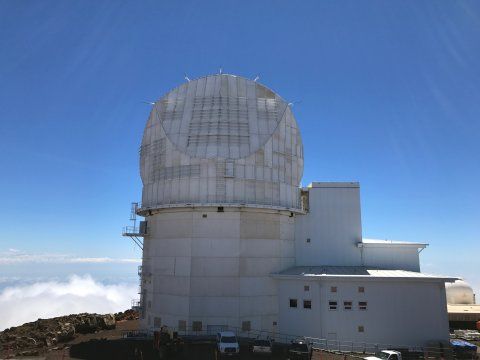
(25,303)
(103,260)
(13,256)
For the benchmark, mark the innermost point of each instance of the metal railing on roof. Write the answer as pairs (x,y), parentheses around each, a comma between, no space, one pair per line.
(136,304)
(132,231)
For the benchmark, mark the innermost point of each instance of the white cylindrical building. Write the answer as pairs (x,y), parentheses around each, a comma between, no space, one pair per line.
(221,162)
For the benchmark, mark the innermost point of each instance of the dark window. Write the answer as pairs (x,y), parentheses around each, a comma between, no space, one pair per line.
(347,305)
(361,289)
(262,343)
(220,209)
(332,305)
(197,326)
(361,328)
(362,305)
(182,325)
(307,304)
(333,289)
(246,326)
(308,240)
(204,215)
(306,288)
(299,347)
(293,303)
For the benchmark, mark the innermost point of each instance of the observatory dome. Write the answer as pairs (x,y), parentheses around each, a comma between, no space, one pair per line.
(459,293)
(221,139)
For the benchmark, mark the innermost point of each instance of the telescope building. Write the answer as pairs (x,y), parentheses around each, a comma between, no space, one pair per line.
(231,240)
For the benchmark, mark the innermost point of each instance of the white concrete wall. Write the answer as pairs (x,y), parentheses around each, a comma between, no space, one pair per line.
(216,269)
(333,225)
(392,257)
(400,312)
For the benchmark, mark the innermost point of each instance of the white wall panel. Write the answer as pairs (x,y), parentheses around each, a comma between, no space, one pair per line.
(400,313)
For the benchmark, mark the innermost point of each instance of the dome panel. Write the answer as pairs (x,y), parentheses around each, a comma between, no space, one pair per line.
(220,116)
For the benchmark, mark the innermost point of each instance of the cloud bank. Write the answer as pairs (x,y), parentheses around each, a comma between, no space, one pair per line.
(25,303)
(14,256)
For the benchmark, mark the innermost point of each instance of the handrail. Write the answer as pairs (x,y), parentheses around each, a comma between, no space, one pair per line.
(337,346)
(132,230)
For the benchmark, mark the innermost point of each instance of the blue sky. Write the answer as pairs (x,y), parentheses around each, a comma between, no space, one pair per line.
(389,96)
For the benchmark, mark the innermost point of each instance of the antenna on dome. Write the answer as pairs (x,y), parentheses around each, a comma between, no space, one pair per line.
(256,78)
(148,102)
(220,71)
(187,78)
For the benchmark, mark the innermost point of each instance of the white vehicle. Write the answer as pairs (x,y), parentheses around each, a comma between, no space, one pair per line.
(262,347)
(227,344)
(386,355)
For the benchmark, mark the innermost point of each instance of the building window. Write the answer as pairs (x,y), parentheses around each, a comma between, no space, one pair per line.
(333,289)
(362,305)
(361,289)
(197,326)
(246,326)
(361,328)
(274,323)
(307,304)
(332,305)
(293,303)
(182,325)
(347,305)
(306,288)
(308,240)
(204,216)
(157,322)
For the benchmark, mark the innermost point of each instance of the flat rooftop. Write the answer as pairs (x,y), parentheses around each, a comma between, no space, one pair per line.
(334,185)
(383,243)
(356,272)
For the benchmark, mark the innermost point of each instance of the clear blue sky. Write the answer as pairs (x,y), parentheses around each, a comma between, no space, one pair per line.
(389,91)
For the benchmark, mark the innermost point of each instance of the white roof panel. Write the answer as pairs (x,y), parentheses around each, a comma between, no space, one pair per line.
(356,271)
(379,242)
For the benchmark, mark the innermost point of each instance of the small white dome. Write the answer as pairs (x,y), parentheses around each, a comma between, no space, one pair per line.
(460,293)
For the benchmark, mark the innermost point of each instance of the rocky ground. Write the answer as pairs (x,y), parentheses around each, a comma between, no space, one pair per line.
(43,336)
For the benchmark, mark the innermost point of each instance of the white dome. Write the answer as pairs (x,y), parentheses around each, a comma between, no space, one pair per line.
(221,139)
(459,293)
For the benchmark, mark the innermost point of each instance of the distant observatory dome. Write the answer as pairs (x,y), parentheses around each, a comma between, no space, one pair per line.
(459,293)
(221,139)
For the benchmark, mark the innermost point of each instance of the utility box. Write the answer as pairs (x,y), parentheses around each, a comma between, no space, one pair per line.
(143,227)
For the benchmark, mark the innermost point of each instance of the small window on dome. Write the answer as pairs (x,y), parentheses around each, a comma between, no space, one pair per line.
(229,169)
